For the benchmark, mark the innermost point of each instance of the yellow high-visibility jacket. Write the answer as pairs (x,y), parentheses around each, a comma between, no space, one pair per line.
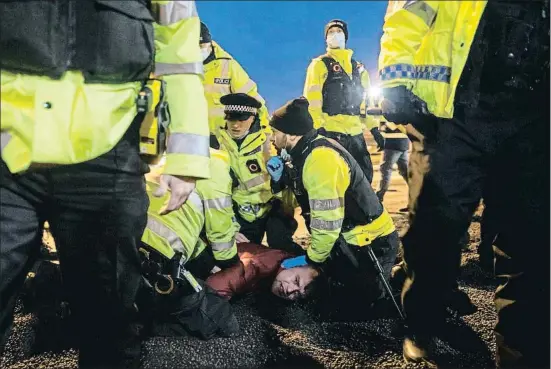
(248,164)
(224,76)
(316,76)
(326,177)
(66,121)
(425,46)
(208,208)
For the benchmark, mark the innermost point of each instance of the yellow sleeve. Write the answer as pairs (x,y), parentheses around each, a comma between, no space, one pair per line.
(316,75)
(369,121)
(217,203)
(242,83)
(178,61)
(406,24)
(326,178)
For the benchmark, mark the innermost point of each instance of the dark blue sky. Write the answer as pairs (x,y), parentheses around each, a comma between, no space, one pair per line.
(276,40)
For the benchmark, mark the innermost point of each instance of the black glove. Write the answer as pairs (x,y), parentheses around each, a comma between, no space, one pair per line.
(378,138)
(401,106)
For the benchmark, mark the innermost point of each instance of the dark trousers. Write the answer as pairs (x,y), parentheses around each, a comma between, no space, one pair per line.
(357,147)
(97,213)
(355,289)
(501,154)
(391,157)
(278,227)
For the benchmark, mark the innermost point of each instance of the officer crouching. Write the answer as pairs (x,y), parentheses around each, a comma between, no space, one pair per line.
(257,210)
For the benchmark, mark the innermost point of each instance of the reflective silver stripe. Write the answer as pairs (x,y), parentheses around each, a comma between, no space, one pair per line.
(246,87)
(256,181)
(217,88)
(188,143)
(220,246)
(225,71)
(219,203)
(326,225)
(314,88)
(316,104)
(5,137)
(394,135)
(162,69)
(422,10)
(217,111)
(172,238)
(329,204)
(195,199)
(174,11)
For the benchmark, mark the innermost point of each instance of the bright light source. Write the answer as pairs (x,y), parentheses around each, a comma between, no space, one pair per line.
(374,92)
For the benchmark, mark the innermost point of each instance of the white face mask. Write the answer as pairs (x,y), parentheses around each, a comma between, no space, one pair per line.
(205,52)
(336,40)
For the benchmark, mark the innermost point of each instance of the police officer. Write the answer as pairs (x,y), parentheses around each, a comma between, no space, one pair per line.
(395,151)
(182,248)
(335,85)
(69,146)
(475,95)
(258,211)
(339,206)
(224,75)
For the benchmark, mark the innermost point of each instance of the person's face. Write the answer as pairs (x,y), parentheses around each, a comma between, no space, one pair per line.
(334,29)
(290,284)
(279,139)
(238,126)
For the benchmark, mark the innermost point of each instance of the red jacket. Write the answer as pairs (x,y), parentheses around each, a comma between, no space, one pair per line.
(258,267)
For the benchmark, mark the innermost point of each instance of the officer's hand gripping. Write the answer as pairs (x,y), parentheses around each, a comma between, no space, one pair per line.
(275,167)
(180,189)
(401,106)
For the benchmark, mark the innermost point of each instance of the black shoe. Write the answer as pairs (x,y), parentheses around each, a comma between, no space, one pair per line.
(460,302)
(403,210)
(416,350)
(380,195)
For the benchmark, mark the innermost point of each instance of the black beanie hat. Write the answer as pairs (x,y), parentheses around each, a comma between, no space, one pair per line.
(337,23)
(293,118)
(205,34)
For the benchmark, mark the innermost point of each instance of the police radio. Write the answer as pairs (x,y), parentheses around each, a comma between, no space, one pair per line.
(151,101)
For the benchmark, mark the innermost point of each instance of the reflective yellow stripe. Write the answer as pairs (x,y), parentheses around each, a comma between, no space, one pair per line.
(174,11)
(217,88)
(256,181)
(246,87)
(219,203)
(316,104)
(5,137)
(314,88)
(160,229)
(422,10)
(162,69)
(188,143)
(326,225)
(329,204)
(221,246)
(217,111)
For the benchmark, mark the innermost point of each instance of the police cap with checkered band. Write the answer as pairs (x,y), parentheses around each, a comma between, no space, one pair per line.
(240,106)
